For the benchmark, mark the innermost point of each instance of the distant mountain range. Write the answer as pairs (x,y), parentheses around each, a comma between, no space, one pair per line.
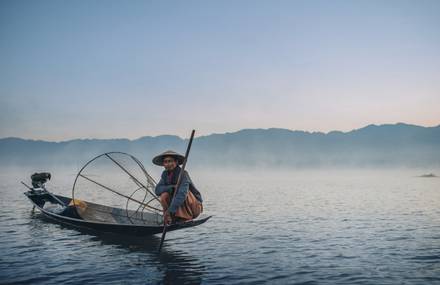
(372,146)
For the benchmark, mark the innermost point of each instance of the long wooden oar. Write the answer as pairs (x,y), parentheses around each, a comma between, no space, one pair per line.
(177,188)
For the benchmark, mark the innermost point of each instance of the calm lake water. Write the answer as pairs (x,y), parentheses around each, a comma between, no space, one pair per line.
(290,227)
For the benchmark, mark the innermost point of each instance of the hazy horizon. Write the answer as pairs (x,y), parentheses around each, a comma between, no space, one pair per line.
(383,146)
(197,135)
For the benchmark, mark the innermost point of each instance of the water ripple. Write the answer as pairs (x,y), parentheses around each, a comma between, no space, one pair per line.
(311,230)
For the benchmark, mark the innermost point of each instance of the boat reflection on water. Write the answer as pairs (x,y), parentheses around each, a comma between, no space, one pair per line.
(177,267)
(168,267)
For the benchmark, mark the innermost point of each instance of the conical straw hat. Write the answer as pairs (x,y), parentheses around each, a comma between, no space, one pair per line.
(158,160)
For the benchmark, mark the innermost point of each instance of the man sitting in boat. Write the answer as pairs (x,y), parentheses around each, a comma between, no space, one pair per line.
(187,203)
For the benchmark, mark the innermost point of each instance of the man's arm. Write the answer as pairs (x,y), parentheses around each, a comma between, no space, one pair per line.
(180,196)
(161,187)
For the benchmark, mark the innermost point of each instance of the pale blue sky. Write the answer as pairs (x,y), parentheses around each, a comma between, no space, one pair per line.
(106,69)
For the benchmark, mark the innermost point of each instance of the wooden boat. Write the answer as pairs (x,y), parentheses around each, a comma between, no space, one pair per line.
(147,219)
(101,218)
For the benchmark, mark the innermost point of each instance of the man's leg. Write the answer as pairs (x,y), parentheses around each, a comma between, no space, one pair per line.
(165,201)
(190,209)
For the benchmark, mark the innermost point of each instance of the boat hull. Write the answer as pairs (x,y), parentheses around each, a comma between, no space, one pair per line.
(122,229)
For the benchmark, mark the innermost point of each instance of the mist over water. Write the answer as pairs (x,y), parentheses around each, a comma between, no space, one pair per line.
(373,146)
(322,226)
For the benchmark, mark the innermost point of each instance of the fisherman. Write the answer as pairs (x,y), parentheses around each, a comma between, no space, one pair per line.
(187,202)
